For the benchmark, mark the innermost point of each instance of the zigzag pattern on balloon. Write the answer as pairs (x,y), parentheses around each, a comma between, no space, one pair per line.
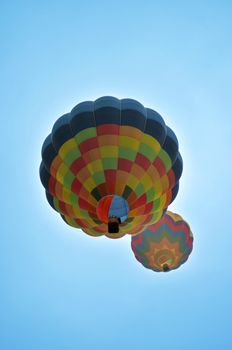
(168,242)
(106,147)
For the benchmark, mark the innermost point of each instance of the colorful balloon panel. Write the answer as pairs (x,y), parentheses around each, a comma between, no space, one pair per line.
(112,206)
(110,147)
(165,245)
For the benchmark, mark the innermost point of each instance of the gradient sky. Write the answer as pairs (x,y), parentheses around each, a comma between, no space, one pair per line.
(61,289)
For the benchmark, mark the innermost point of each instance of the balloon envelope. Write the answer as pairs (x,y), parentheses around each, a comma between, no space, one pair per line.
(165,245)
(110,147)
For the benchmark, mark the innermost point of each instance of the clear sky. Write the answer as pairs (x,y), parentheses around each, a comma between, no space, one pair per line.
(61,289)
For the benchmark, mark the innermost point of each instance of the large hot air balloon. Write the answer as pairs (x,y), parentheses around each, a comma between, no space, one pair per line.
(111,167)
(165,245)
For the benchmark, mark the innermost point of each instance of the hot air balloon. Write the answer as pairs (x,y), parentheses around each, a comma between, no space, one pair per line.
(165,245)
(111,167)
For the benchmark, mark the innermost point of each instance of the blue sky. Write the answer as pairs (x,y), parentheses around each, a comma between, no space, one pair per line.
(61,289)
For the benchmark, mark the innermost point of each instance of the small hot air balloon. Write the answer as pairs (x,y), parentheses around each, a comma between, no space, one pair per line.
(111,167)
(165,245)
